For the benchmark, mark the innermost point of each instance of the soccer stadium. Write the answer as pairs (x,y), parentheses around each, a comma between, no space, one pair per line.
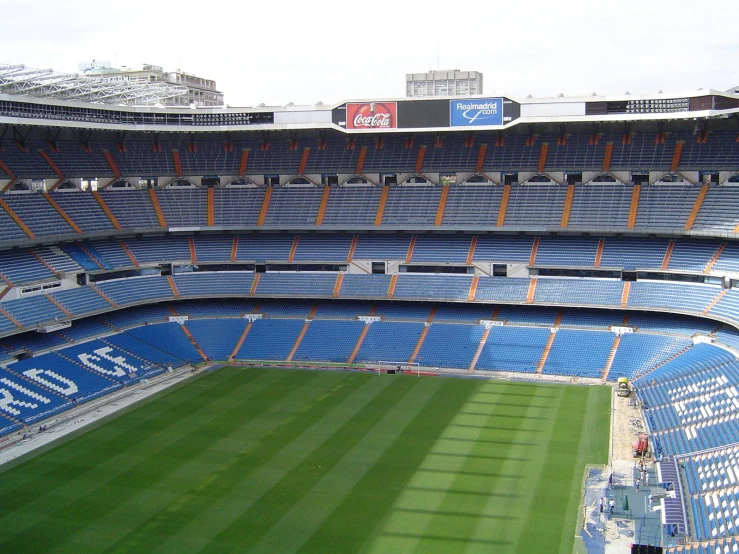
(388,325)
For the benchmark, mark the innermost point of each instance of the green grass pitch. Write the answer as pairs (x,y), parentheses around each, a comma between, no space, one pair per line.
(272,460)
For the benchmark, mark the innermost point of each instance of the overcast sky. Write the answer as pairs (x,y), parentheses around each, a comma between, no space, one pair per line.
(304,52)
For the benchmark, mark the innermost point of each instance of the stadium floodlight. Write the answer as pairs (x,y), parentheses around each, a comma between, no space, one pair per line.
(46,83)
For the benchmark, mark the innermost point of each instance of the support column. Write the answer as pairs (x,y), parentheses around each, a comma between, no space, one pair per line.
(503,205)
(442,205)
(293,248)
(265,207)
(696,208)
(635,193)
(357,346)
(480,346)
(211,206)
(419,344)
(471,251)
(599,252)
(534,250)
(295,347)
(668,254)
(625,294)
(473,289)
(337,285)
(173,286)
(157,208)
(391,286)
(611,357)
(532,291)
(241,340)
(381,206)
(322,207)
(568,206)
(411,247)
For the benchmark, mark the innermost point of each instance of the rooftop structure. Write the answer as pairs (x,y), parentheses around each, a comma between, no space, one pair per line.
(446,82)
(47,83)
(201,92)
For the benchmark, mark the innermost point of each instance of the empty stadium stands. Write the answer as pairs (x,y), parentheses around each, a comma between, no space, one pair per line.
(218,243)
(530,207)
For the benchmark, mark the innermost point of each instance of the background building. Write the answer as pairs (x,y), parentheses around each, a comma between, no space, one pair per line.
(446,82)
(200,91)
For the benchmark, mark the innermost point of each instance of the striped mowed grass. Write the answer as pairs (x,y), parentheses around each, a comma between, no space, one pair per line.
(273,460)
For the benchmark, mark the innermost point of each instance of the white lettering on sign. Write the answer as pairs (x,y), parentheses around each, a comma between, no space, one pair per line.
(375,120)
(473,111)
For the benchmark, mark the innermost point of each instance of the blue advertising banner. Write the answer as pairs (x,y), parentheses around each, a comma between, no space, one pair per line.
(470,112)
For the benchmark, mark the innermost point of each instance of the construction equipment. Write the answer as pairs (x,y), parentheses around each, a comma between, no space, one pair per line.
(640,449)
(624,387)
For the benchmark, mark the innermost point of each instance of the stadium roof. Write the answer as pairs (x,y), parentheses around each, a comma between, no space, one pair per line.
(47,83)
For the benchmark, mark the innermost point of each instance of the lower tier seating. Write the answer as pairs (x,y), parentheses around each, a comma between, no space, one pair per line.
(690,391)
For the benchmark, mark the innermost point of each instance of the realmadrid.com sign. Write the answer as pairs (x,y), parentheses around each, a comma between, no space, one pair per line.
(470,112)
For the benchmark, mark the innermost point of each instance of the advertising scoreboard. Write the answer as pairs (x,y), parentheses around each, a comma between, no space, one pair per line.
(476,112)
(455,113)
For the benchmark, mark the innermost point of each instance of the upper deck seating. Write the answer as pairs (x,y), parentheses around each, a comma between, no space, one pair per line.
(665,206)
(365,286)
(535,206)
(600,205)
(441,249)
(352,205)
(21,267)
(137,290)
(411,205)
(566,251)
(323,248)
(583,292)
(132,208)
(676,296)
(84,210)
(420,287)
(293,207)
(218,285)
(237,207)
(473,203)
(38,215)
(213,248)
(718,211)
(633,253)
(184,208)
(691,255)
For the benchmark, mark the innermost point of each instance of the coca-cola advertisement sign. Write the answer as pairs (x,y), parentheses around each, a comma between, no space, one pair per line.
(372,115)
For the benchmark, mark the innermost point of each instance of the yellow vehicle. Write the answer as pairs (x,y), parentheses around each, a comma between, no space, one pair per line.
(624,387)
